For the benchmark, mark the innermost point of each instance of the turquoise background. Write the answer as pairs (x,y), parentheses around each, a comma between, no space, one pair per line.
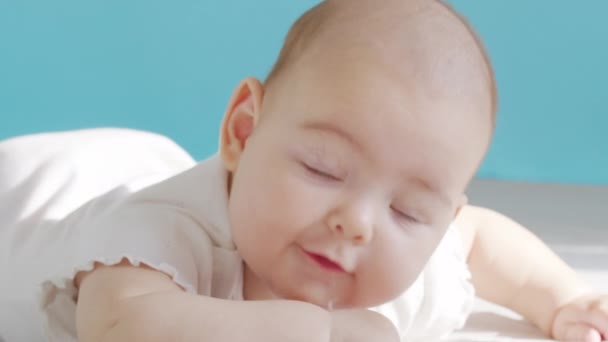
(169,67)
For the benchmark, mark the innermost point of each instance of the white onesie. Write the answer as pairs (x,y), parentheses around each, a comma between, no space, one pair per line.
(70,199)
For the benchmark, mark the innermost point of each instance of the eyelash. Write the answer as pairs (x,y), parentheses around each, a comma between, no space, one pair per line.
(402,215)
(319,173)
(327,176)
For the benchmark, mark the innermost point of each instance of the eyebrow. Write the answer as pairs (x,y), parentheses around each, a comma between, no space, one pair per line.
(441,196)
(334,129)
(345,135)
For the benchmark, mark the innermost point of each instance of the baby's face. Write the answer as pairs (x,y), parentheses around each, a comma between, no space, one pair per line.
(347,185)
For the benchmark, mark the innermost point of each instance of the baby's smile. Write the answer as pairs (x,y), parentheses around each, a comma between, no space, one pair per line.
(324,262)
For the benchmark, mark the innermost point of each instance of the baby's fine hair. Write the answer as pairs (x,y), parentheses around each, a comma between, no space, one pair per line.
(308,26)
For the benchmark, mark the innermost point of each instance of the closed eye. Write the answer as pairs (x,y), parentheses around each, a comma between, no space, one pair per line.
(320,173)
(404,216)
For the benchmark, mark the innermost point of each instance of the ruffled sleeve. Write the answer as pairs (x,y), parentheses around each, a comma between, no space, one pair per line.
(158,234)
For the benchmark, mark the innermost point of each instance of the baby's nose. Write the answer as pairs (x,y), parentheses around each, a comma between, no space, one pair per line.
(354,222)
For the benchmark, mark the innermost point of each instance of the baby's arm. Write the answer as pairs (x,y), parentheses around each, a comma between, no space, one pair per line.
(126,303)
(513,268)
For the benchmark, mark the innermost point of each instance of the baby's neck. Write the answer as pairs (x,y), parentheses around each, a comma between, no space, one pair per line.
(229,183)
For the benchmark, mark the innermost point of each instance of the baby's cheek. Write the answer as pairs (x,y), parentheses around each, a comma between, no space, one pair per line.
(387,276)
(300,201)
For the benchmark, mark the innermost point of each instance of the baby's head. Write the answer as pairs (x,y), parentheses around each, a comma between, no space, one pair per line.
(349,163)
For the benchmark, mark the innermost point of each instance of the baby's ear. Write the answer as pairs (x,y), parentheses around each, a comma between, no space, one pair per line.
(240,120)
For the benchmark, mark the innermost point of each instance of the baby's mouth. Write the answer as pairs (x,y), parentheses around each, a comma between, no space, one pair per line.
(325,262)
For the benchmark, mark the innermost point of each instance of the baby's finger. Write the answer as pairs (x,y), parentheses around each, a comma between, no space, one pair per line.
(580,332)
(598,319)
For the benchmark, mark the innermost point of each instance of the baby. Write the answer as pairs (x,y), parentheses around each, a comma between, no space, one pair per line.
(338,188)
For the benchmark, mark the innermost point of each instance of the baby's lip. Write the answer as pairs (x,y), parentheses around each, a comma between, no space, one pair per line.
(325,262)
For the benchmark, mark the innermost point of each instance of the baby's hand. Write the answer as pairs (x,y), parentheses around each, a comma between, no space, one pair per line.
(583,319)
(359,325)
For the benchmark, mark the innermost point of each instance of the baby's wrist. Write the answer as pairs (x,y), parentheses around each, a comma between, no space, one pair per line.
(361,325)
(565,299)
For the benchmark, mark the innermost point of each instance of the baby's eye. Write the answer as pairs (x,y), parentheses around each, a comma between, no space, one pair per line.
(402,215)
(318,172)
